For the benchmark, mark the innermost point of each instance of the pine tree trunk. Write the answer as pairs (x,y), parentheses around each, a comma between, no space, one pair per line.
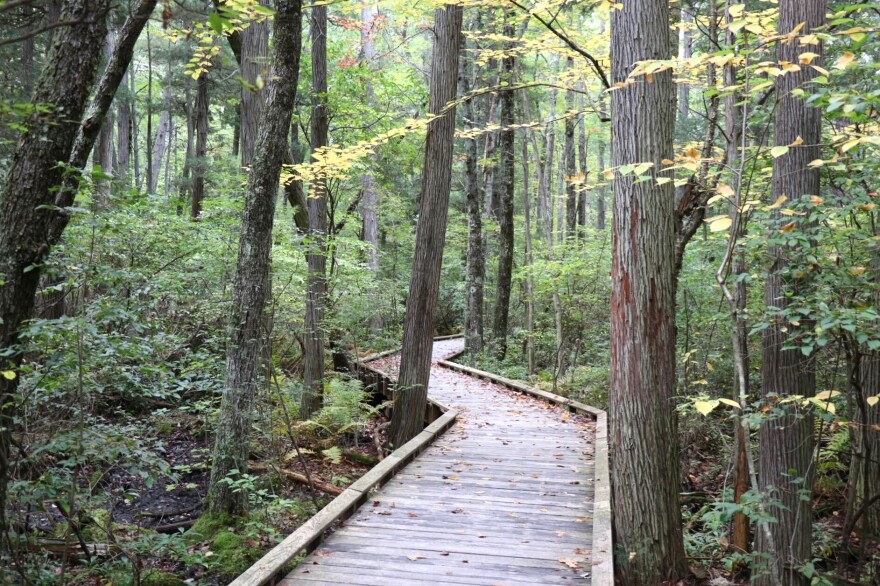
(251,285)
(643,433)
(505,204)
(418,326)
(316,257)
(583,145)
(163,133)
(787,442)
(28,193)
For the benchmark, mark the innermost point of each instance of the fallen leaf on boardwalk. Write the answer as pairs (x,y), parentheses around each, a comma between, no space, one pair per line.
(583,520)
(411,515)
(582,551)
(570,562)
(415,557)
(444,553)
(322,553)
(543,510)
(561,533)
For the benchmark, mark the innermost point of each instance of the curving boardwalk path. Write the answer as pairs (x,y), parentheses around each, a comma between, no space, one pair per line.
(502,498)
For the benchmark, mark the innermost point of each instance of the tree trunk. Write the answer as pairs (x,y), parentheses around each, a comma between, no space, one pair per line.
(643,433)
(527,261)
(254,50)
(476,259)
(163,133)
(866,444)
(251,285)
(583,145)
(200,164)
(316,257)
(787,442)
(685,51)
(569,157)
(505,203)
(600,197)
(369,200)
(123,133)
(28,193)
(418,326)
(739,331)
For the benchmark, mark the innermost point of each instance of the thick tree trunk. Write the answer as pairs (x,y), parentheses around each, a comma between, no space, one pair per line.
(418,327)
(527,261)
(787,442)
(254,52)
(27,194)
(251,286)
(505,204)
(866,445)
(316,257)
(476,259)
(643,434)
(199,165)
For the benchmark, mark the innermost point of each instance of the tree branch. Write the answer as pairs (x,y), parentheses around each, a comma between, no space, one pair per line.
(571,44)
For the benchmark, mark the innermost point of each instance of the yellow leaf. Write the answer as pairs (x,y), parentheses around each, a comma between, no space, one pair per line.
(705,407)
(779,201)
(736,10)
(692,153)
(798,141)
(856,271)
(851,143)
(608,173)
(730,402)
(826,395)
(815,163)
(7,374)
(788,227)
(720,224)
(725,190)
(816,200)
(844,60)
(778,151)
(873,400)
(807,58)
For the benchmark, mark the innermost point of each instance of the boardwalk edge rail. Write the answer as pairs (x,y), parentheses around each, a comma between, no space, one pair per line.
(602,571)
(267,569)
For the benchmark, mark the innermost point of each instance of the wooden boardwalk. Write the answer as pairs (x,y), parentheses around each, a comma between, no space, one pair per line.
(502,498)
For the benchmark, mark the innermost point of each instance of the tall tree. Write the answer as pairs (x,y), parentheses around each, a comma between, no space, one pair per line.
(316,255)
(569,157)
(199,164)
(369,201)
(506,186)
(643,433)
(787,442)
(418,326)
(251,285)
(476,259)
(27,196)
